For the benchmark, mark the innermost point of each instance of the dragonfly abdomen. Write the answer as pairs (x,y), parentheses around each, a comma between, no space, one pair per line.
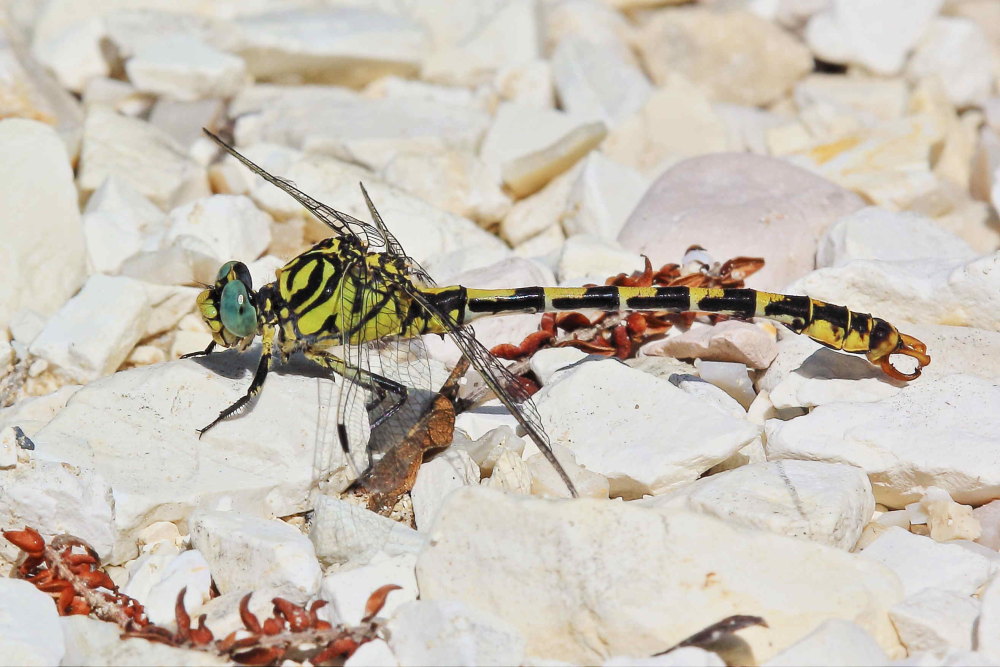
(834,326)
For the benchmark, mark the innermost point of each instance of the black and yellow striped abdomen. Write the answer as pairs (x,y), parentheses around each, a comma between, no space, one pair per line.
(834,326)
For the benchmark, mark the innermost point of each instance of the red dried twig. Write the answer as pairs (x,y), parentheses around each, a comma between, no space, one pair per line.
(78,586)
(68,570)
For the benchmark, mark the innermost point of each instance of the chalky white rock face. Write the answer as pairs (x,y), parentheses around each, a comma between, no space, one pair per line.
(897,440)
(263,461)
(877,35)
(445,632)
(828,503)
(89,641)
(245,551)
(778,209)
(144,156)
(735,55)
(340,45)
(834,642)
(185,68)
(29,625)
(649,579)
(42,256)
(92,334)
(925,565)
(643,433)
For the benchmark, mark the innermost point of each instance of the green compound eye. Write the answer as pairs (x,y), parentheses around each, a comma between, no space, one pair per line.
(239,317)
(224,270)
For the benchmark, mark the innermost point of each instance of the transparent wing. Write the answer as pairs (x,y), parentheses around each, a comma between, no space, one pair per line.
(341,223)
(386,361)
(508,389)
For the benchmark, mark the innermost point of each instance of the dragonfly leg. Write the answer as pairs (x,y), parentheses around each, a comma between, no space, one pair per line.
(200,353)
(267,341)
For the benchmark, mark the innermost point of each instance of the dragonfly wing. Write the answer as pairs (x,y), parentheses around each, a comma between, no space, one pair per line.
(508,388)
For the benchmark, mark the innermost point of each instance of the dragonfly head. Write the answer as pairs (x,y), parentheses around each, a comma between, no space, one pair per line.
(229,306)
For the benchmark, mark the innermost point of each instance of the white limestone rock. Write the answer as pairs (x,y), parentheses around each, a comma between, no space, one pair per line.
(348,536)
(137,430)
(518,130)
(42,256)
(83,347)
(870,99)
(835,642)
(30,91)
(445,632)
(456,181)
(34,412)
(546,481)
(598,80)
(511,474)
(945,519)
(732,341)
(157,578)
(987,630)
(348,590)
(170,304)
(732,54)
(614,419)
(731,377)
(222,227)
(436,479)
(897,440)
(936,621)
(875,233)
(888,164)
(583,601)
(602,196)
(142,155)
(429,235)
(675,122)
(748,126)
(117,223)
(182,67)
(828,503)
(877,35)
(69,45)
(956,50)
(29,625)
(925,565)
(586,258)
(805,374)
(346,46)
(93,642)
(246,552)
(375,653)
(499,35)
(686,656)
(369,132)
(539,216)
(708,392)
(526,174)
(738,205)
(528,83)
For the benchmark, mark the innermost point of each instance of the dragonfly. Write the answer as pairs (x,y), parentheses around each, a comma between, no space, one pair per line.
(339,300)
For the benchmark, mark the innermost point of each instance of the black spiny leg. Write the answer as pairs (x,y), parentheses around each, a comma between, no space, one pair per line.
(267,340)
(255,387)
(200,353)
